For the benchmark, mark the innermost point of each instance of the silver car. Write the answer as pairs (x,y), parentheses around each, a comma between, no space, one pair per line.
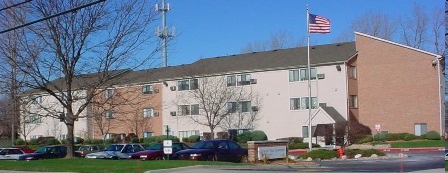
(116,151)
(10,153)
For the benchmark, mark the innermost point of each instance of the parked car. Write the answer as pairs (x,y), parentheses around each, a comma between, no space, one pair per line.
(83,150)
(213,150)
(116,151)
(446,155)
(155,151)
(47,152)
(10,153)
(25,148)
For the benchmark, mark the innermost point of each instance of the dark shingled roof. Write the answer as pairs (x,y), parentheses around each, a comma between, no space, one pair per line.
(257,61)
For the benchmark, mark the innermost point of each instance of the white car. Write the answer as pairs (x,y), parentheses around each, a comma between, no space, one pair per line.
(10,153)
(116,151)
(446,156)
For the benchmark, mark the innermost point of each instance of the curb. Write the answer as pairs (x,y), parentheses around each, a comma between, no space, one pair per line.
(427,149)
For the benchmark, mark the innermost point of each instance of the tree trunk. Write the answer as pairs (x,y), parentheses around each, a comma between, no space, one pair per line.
(69,140)
(212,131)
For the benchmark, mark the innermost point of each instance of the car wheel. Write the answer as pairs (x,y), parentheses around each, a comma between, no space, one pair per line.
(159,158)
(212,158)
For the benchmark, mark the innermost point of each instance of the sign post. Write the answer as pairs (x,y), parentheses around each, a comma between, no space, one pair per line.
(168,148)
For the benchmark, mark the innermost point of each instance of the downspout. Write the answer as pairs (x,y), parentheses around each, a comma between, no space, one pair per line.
(439,85)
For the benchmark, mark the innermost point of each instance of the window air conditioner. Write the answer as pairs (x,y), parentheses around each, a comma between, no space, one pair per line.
(156,114)
(173,88)
(253,81)
(254,108)
(320,76)
(173,113)
(156,90)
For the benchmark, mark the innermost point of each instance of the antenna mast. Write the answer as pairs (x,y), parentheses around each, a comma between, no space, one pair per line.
(163,32)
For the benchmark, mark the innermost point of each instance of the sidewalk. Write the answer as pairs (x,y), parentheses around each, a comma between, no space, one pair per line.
(427,149)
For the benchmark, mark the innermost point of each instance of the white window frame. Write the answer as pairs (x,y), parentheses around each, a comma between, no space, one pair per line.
(352,72)
(147,89)
(231,80)
(148,112)
(188,84)
(37,99)
(301,103)
(294,75)
(303,75)
(243,79)
(109,93)
(35,119)
(353,101)
(247,107)
(109,114)
(148,134)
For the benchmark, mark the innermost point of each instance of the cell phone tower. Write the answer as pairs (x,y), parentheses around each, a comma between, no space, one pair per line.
(164,33)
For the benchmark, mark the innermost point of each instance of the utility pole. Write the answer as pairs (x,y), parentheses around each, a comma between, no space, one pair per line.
(164,33)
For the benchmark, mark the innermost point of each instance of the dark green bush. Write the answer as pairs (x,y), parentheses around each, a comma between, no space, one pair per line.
(433,135)
(19,142)
(244,137)
(185,139)
(164,137)
(259,135)
(380,137)
(52,141)
(395,136)
(365,153)
(96,141)
(292,139)
(321,153)
(194,138)
(149,140)
(409,137)
(34,142)
(108,141)
(365,139)
(301,145)
(135,140)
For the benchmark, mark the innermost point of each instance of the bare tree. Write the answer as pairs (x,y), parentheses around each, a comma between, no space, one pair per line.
(279,40)
(56,52)
(243,118)
(26,125)
(437,25)
(413,29)
(375,24)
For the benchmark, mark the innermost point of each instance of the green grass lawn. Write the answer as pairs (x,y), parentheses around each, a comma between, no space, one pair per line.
(417,144)
(100,166)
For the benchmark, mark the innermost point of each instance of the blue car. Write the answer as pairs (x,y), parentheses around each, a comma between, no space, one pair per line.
(213,150)
(47,152)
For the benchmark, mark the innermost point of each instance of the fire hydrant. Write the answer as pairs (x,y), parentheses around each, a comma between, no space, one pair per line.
(340,151)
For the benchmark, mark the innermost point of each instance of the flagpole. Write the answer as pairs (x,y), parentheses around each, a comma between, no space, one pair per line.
(310,146)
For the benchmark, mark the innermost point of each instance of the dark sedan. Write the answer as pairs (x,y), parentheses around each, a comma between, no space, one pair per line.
(47,152)
(155,151)
(213,150)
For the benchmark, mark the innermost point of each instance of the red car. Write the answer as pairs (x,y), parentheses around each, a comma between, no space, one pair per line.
(155,151)
(25,149)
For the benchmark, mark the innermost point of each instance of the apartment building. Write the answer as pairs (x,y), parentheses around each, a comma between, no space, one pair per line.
(370,81)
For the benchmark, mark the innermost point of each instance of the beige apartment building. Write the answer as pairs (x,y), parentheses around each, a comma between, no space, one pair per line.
(370,81)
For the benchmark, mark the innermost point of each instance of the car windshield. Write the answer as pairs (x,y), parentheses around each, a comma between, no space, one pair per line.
(83,148)
(157,146)
(43,150)
(114,148)
(204,145)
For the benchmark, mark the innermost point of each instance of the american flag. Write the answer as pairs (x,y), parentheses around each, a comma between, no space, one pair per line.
(318,24)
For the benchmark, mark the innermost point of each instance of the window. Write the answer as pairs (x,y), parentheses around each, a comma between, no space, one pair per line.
(295,103)
(353,101)
(109,114)
(109,93)
(184,134)
(420,129)
(304,74)
(184,109)
(195,109)
(231,81)
(231,107)
(147,112)
(147,89)
(110,136)
(243,79)
(302,103)
(35,119)
(62,136)
(305,103)
(148,134)
(37,99)
(352,72)
(189,84)
(293,75)
(35,136)
(245,106)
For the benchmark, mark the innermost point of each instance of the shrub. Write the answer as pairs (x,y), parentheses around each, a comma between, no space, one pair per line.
(135,140)
(52,141)
(164,137)
(365,153)
(433,135)
(301,145)
(259,135)
(19,142)
(34,142)
(409,137)
(149,140)
(292,139)
(108,141)
(194,138)
(380,137)
(96,141)
(185,139)
(321,153)
(365,139)
(395,136)
(63,141)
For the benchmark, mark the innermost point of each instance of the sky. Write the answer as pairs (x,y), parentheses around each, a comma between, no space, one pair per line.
(211,28)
